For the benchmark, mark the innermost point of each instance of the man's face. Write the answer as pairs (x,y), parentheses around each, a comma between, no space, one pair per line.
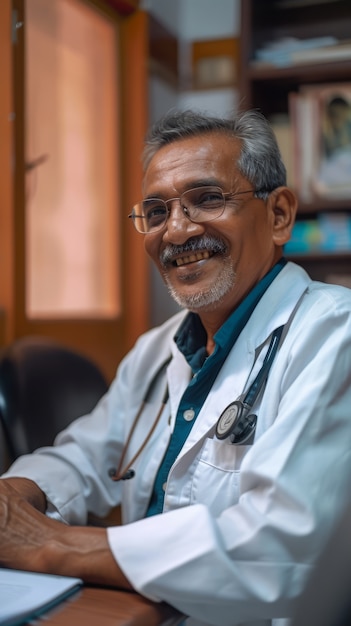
(227,256)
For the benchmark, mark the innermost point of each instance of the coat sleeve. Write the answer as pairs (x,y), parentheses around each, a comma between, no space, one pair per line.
(251,562)
(75,472)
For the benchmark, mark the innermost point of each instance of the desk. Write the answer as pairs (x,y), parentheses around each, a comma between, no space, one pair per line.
(96,606)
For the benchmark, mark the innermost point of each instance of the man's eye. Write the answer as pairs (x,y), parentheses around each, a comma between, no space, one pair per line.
(209,199)
(155,213)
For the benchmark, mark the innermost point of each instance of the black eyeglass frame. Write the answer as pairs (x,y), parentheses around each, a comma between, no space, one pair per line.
(134,216)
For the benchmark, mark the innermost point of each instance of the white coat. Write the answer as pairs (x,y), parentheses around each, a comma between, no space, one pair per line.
(242,525)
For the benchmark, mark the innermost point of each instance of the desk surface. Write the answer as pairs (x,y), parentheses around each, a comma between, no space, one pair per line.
(94,606)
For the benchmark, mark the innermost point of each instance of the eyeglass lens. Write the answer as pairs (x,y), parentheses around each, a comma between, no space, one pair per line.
(200,205)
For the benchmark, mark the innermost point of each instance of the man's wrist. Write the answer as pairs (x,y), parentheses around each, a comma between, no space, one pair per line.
(83,552)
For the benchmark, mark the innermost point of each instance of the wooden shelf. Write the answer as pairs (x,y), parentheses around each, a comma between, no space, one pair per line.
(322,206)
(317,257)
(301,73)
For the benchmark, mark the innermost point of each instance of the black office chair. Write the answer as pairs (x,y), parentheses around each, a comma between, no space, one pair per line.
(43,387)
(4,452)
(326,600)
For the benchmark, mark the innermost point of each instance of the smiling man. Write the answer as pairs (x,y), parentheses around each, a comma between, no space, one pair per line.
(225,427)
(209,258)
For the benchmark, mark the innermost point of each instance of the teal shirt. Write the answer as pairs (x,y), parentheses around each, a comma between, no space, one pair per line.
(191,341)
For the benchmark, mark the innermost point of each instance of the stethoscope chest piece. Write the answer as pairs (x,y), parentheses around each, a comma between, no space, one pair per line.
(235,423)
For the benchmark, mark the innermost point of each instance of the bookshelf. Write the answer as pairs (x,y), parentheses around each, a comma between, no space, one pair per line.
(278,59)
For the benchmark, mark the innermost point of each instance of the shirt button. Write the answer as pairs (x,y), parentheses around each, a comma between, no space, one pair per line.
(189,415)
(164,486)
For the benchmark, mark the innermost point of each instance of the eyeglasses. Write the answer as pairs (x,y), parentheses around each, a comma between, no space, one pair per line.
(202,204)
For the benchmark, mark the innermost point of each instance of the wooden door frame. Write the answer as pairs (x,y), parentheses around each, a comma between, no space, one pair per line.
(7,269)
(89,336)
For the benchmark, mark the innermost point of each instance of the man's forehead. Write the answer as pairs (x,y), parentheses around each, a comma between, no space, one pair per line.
(207,151)
(209,159)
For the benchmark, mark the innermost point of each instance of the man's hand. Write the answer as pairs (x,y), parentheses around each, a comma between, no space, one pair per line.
(25,488)
(31,541)
(24,530)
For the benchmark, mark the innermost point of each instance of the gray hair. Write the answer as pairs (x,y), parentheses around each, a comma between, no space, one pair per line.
(260,161)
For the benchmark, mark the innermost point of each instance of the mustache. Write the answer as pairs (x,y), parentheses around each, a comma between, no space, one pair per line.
(196,244)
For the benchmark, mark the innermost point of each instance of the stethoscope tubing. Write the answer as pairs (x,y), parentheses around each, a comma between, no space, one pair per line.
(127,472)
(254,390)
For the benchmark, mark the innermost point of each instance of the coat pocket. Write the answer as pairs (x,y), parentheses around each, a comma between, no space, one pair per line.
(216,479)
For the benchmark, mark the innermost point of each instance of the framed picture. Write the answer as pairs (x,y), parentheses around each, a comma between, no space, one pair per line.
(215,63)
(321,123)
(333,174)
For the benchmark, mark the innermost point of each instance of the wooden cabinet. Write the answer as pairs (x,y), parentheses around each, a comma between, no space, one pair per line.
(268,86)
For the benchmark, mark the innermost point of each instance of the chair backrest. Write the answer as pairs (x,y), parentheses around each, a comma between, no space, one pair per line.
(44,386)
(4,452)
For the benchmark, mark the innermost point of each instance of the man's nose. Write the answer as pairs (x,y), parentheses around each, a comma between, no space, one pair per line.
(179,228)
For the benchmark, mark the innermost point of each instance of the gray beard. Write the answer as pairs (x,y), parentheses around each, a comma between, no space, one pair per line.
(212,297)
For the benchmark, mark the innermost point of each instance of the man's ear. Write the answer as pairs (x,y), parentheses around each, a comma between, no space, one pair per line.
(283,204)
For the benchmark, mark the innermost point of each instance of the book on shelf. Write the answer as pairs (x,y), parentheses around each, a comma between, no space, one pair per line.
(328,233)
(283,132)
(279,52)
(323,54)
(321,130)
(302,113)
(290,51)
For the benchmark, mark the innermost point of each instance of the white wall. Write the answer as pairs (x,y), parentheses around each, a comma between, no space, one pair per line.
(208,19)
(197,19)
(219,102)
(167,11)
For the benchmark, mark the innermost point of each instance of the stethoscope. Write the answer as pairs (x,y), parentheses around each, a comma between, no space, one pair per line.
(127,472)
(236,422)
